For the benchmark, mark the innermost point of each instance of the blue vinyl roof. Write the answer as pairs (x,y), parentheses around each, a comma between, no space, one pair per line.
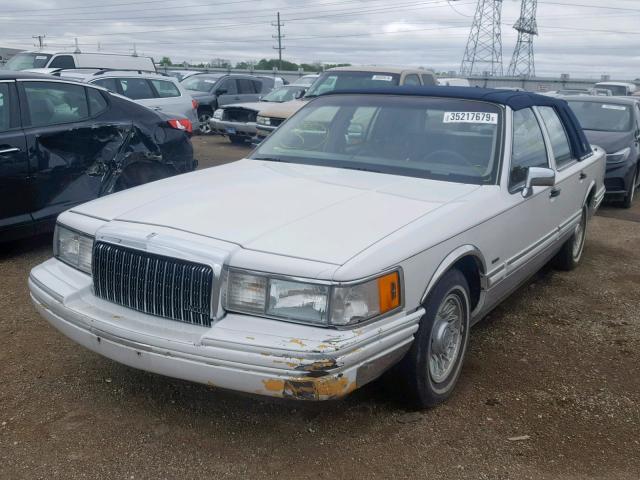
(516,100)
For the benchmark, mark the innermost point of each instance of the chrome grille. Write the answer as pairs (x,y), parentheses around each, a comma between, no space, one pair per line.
(162,286)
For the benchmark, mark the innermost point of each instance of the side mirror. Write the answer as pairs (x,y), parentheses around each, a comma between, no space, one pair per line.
(300,94)
(355,134)
(538,177)
(220,91)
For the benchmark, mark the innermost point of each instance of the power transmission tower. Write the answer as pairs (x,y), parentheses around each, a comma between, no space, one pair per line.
(484,46)
(40,40)
(279,36)
(522,63)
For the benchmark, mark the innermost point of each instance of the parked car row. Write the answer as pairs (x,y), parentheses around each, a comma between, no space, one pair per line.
(368,233)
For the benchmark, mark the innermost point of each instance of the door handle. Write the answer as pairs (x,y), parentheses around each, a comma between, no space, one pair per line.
(555,192)
(583,175)
(4,151)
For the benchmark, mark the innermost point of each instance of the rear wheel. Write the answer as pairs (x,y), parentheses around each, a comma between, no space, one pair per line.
(571,253)
(140,173)
(432,367)
(631,191)
(237,139)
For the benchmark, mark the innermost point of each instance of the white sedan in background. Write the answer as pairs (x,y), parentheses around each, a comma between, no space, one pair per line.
(371,230)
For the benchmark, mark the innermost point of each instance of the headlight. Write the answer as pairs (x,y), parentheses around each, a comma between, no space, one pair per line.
(309,302)
(620,156)
(73,248)
(263,120)
(218,114)
(363,301)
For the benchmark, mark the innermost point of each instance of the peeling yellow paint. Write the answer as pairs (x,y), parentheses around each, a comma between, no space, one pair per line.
(317,388)
(250,338)
(211,384)
(274,385)
(297,341)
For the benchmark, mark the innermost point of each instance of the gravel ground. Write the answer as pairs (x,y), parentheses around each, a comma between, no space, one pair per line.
(550,390)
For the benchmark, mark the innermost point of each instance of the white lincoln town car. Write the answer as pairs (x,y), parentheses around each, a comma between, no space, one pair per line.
(370,231)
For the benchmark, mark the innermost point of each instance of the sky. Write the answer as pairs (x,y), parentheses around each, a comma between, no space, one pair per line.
(584,38)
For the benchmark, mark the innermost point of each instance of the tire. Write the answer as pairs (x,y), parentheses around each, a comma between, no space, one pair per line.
(203,118)
(237,140)
(570,254)
(631,191)
(427,381)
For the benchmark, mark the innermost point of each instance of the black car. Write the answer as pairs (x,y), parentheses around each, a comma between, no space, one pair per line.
(214,90)
(63,143)
(613,123)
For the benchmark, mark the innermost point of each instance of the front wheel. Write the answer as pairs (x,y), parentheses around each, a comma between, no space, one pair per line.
(571,252)
(432,367)
(203,118)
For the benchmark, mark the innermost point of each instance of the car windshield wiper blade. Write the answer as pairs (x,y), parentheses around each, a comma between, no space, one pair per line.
(268,159)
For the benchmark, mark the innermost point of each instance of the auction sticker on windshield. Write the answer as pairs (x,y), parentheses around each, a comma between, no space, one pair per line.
(382,78)
(470,117)
(614,107)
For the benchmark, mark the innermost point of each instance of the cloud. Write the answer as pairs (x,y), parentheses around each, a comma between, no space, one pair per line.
(582,41)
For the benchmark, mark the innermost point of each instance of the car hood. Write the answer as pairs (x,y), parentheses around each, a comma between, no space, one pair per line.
(316,213)
(610,141)
(248,106)
(281,110)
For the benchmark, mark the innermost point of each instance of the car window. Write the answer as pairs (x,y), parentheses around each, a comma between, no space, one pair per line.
(230,86)
(428,79)
(283,94)
(604,116)
(136,88)
(110,84)
(347,80)
(62,61)
(638,117)
(201,83)
(528,149)
(165,88)
(258,86)
(52,103)
(245,86)
(5,119)
(443,139)
(557,135)
(97,102)
(412,79)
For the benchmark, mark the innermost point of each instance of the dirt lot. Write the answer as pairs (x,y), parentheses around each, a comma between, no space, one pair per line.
(550,390)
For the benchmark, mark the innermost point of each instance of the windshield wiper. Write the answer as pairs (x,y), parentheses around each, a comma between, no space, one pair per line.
(268,159)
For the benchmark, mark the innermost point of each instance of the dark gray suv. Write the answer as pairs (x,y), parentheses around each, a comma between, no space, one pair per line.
(213,90)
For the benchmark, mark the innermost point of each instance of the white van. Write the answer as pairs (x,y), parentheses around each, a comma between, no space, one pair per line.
(43,61)
(453,82)
(617,89)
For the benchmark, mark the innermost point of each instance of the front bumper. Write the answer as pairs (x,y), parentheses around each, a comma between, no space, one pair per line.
(618,177)
(226,127)
(238,352)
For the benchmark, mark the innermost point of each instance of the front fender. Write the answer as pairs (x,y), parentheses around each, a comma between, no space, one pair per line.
(450,260)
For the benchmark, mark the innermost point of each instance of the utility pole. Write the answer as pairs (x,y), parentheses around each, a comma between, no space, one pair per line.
(484,46)
(522,63)
(279,37)
(40,40)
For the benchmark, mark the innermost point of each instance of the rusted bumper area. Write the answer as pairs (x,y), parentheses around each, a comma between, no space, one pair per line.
(238,352)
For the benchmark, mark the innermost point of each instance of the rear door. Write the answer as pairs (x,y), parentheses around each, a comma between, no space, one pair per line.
(248,89)
(14,164)
(572,180)
(67,144)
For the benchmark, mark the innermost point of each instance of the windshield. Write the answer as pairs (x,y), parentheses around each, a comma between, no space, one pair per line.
(437,138)
(283,94)
(201,83)
(602,116)
(25,61)
(330,81)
